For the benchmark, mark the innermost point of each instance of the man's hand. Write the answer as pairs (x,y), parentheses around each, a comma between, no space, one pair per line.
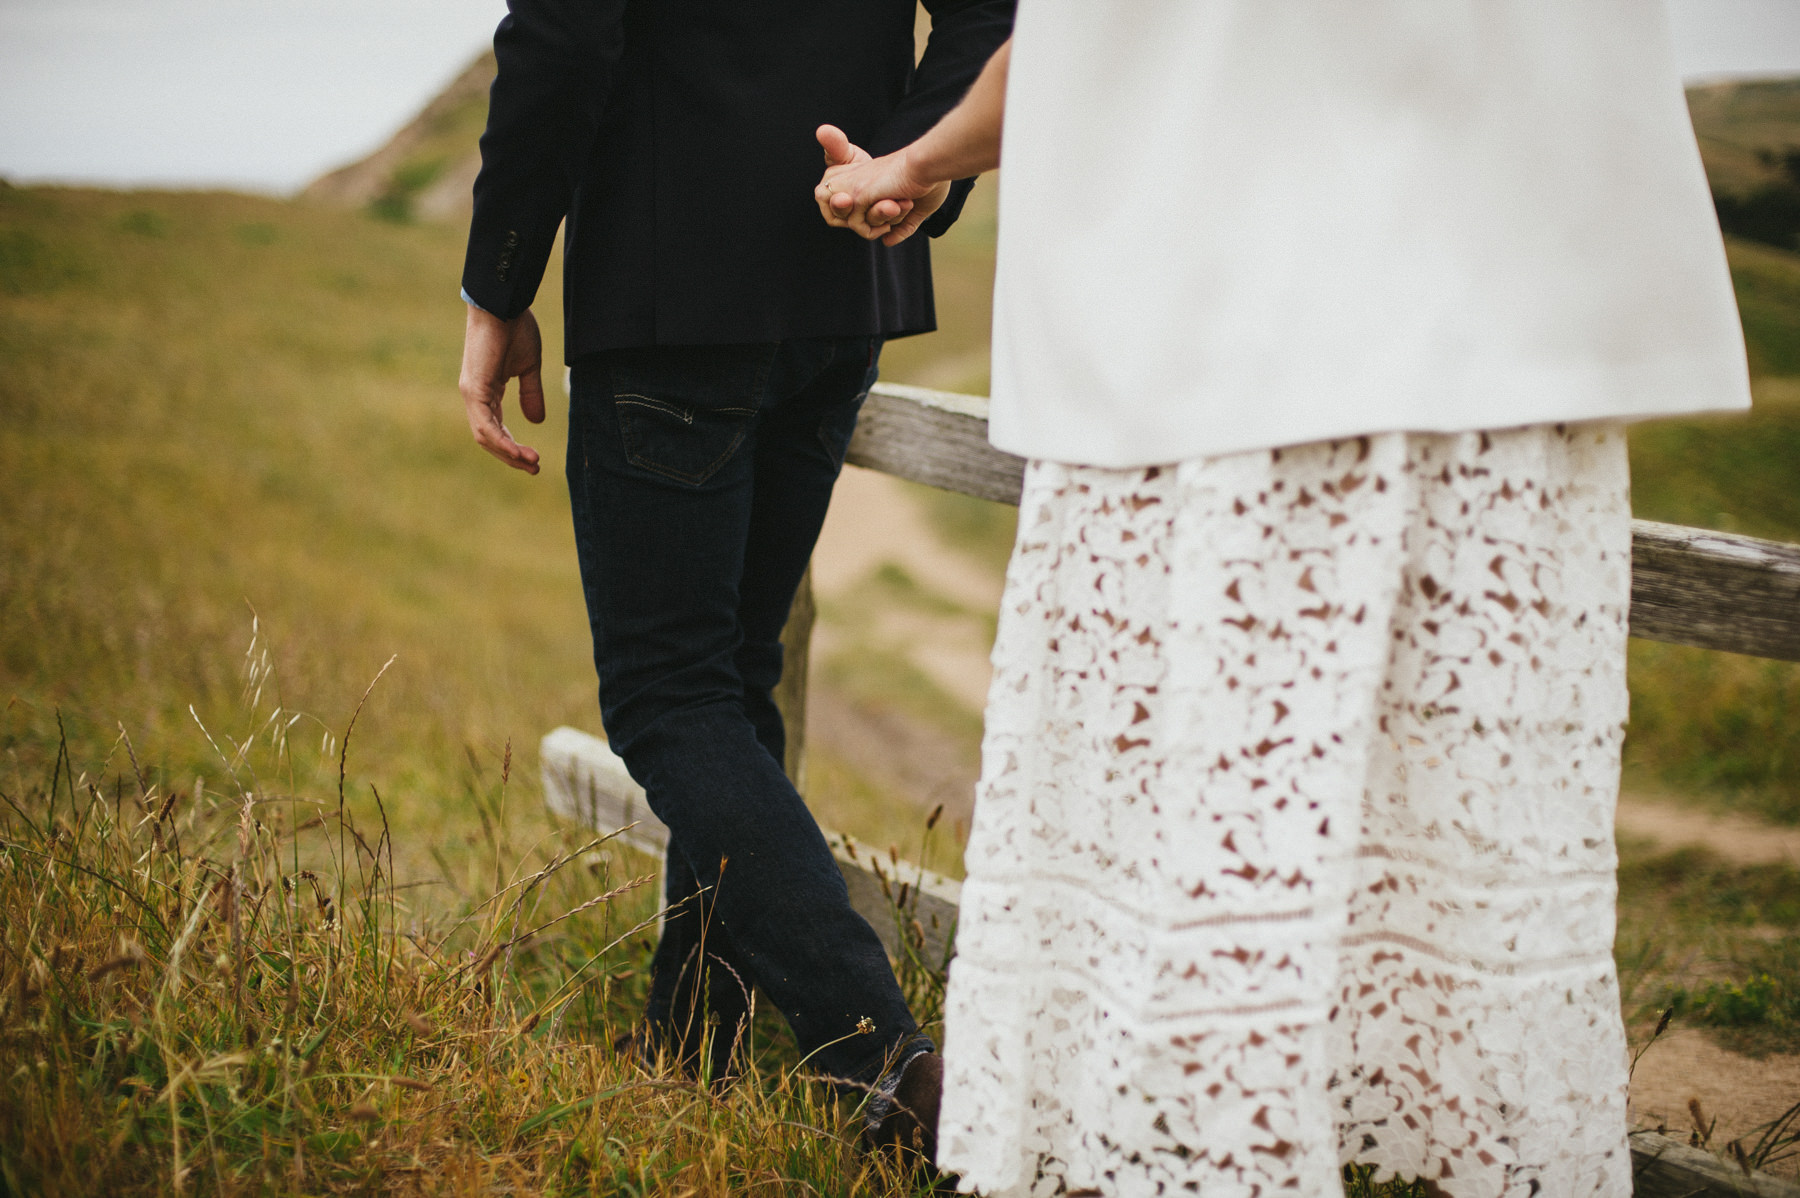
(873,197)
(494,351)
(891,196)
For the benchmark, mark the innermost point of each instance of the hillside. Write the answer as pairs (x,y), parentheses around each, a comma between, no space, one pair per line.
(221,408)
(1737,122)
(1750,140)
(1746,132)
(427,169)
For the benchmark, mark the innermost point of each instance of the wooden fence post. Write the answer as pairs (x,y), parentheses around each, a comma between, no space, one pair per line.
(790,693)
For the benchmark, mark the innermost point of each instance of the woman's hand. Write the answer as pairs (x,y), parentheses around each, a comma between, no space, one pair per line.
(891,196)
(873,197)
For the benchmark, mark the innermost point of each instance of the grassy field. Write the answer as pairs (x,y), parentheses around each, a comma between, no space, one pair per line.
(237,958)
(1719,727)
(220,407)
(1742,126)
(235,484)
(236,993)
(264,934)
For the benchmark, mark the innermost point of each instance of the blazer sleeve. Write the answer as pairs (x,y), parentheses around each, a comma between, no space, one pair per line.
(964,35)
(557,63)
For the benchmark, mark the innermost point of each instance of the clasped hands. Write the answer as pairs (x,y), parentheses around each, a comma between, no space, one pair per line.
(876,198)
(873,197)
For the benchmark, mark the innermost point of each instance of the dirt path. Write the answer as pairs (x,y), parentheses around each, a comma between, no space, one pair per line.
(1738,838)
(874,520)
(904,757)
(1739,1092)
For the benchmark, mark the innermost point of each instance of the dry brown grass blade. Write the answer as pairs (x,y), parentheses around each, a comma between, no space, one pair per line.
(488,958)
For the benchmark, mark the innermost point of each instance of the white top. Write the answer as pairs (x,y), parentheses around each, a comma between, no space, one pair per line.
(1235,224)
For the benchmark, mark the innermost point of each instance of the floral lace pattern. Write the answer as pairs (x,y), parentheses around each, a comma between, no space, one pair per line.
(1294,839)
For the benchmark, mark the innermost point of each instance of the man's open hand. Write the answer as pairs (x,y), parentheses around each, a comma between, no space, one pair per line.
(494,351)
(872,197)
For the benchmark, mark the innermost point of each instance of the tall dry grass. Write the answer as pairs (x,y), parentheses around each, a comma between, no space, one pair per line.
(230,989)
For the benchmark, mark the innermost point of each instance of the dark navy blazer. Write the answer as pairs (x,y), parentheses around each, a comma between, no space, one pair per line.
(676,137)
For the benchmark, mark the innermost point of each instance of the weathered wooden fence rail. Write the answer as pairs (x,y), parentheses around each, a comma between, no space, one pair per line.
(1688,586)
(1716,590)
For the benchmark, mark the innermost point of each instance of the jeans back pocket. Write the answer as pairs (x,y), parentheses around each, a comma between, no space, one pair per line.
(684,411)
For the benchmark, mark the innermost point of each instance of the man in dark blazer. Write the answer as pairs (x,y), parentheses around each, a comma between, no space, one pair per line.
(722,340)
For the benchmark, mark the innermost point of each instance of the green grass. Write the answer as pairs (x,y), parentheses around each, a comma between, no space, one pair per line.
(1713,942)
(230,990)
(1719,727)
(230,422)
(879,673)
(254,411)
(842,797)
(1715,728)
(983,530)
(233,991)
(1735,121)
(1766,1001)
(1709,893)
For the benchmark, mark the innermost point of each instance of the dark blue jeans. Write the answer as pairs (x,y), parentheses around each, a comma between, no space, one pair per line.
(699,478)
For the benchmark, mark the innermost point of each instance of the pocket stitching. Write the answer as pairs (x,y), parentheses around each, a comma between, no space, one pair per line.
(685,415)
(643,463)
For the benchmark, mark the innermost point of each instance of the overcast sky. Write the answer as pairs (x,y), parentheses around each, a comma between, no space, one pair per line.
(267,94)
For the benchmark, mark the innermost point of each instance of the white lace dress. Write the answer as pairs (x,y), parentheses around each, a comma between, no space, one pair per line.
(1293,845)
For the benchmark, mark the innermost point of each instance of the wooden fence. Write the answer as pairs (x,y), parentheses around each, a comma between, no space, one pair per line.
(1688,586)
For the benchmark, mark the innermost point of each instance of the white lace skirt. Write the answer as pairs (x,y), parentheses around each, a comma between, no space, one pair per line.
(1294,842)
